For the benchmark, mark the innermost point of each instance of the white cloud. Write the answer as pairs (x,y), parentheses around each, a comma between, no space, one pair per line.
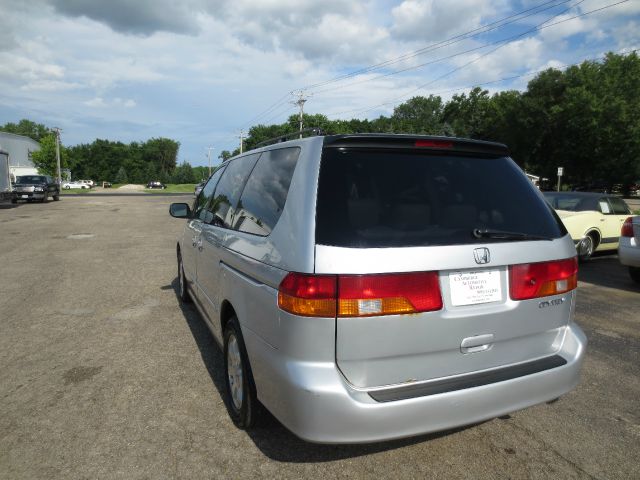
(97,102)
(433,20)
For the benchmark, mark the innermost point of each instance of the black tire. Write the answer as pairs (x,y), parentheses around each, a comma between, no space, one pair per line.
(634,273)
(45,199)
(586,247)
(56,197)
(240,393)
(183,291)
(14,200)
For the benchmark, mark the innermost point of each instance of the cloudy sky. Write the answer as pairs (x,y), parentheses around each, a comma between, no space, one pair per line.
(199,71)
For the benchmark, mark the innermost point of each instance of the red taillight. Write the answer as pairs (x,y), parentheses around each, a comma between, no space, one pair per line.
(308,295)
(532,280)
(388,294)
(434,143)
(359,295)
(627,228)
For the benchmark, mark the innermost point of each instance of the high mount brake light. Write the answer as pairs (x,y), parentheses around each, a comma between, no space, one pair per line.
(533,280)
(434,143)
(359,295)
(627,228)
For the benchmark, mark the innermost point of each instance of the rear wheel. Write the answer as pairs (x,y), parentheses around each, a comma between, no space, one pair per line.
(241,398)
(45,198)
(56,197)
(586,247)
(634,273)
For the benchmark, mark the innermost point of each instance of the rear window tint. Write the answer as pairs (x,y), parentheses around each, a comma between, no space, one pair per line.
(265,193)
(388,199)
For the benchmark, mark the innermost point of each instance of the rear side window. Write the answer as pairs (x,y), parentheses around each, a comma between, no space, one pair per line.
(619,206)
(229,189)
(389,199)
(265,193)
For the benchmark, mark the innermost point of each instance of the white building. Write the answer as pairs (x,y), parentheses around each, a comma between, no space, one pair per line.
(19,149)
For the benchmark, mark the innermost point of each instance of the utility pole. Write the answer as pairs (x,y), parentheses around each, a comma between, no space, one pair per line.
(241,137)
(209,158)
(300,103)
(57,130)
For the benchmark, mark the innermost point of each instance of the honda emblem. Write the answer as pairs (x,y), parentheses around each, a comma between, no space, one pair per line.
(482,255)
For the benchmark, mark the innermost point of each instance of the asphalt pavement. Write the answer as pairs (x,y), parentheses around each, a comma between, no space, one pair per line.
(104,375)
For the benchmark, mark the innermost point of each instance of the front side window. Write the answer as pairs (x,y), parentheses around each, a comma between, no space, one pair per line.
(229,189)
(205,196)
(265,193)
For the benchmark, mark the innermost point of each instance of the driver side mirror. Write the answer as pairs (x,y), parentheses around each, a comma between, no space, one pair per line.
(180,210)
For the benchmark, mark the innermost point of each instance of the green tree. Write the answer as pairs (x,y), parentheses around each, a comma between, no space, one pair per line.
(45,159)
(224,155)
(121,176)
(421,115)
(37,131)
(183,174)
(163,152)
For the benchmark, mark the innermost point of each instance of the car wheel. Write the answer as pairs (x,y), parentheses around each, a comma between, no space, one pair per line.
(241,398)
(14,200)
(634,273)
(586,247)
(67,187)
(183,292)
(45,199)
(56,197)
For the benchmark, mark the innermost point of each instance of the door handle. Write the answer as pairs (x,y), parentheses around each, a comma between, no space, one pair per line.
(479,343)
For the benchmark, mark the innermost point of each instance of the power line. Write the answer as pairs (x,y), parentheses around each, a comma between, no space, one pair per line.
(506,42)
(445,43)
(474,49)
(477,31)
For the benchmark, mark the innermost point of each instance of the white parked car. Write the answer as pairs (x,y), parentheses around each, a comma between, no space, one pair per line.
(75,184)
(90,183)
(629,246)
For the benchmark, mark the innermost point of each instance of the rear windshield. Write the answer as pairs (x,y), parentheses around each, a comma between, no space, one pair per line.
(370,198)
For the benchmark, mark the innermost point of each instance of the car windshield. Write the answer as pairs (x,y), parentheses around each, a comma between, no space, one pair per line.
(383,199)
(571,202)
(31,179)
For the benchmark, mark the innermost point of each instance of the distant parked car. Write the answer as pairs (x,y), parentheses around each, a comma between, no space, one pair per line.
(199,188)
(592,219)
(91,183)
(629,247)
(75,184)
(35,187)
(156,185)
(106,185)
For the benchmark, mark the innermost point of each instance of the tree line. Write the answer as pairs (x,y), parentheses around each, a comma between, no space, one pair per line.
(585,118)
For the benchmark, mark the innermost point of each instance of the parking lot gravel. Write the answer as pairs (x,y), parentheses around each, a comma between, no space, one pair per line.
(104,375)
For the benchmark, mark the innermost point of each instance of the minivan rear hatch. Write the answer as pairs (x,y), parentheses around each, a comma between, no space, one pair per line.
(390,209)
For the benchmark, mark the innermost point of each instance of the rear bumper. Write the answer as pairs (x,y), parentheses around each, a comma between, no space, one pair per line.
(313,400)
(629,252)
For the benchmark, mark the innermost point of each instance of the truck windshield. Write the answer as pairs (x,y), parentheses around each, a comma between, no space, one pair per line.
(31,179)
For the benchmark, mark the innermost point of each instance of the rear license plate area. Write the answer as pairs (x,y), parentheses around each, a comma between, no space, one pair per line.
(476,287)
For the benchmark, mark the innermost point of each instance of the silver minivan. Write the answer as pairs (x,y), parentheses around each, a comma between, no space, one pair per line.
(371,287)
